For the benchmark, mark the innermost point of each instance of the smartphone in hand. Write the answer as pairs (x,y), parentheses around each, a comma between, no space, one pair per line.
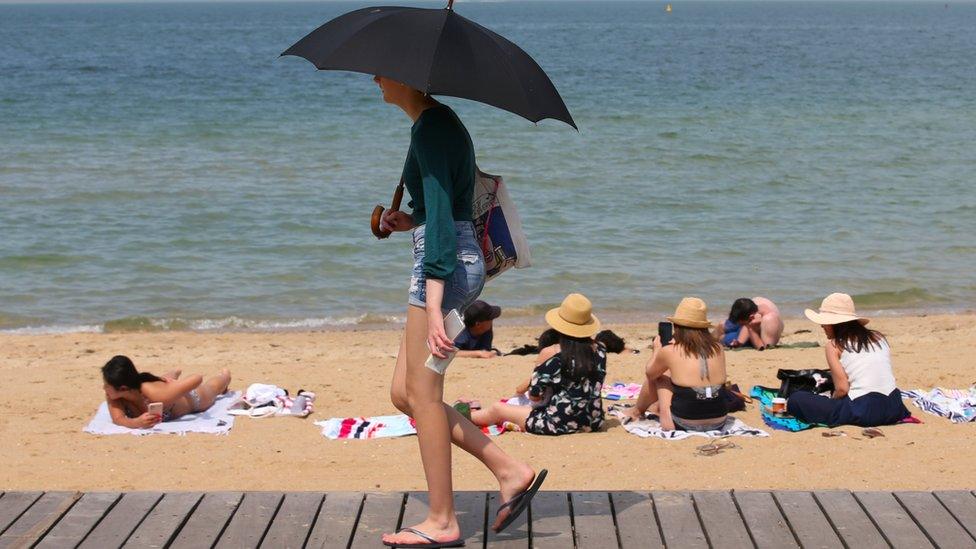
(666,331)
(453,326)
(156,409)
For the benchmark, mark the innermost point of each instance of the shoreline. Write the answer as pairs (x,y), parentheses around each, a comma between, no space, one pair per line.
(52,388)
(512,316)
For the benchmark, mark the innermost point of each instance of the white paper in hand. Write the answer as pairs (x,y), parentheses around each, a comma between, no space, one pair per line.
(453,326)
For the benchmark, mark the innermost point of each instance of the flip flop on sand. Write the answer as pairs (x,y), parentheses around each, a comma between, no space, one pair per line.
(430,542)
(520,502)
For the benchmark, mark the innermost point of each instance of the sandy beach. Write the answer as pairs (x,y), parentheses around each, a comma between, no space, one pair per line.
(51,388)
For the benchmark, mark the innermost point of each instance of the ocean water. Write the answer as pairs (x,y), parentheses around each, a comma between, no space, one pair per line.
(162,168)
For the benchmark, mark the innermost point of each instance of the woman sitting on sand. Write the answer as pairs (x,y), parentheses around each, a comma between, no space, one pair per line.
(685,378)
(865,393)
(129,392)
(567,380)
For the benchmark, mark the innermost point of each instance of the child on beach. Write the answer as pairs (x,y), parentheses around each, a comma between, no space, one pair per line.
(567,379)
(752,322)
(475,341)
(865,392)
(129,393)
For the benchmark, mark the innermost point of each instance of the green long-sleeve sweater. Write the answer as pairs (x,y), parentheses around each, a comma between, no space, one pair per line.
(439,175)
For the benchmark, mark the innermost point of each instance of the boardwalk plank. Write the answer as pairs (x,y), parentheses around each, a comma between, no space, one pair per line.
(593,519)
(962,505)
(517,533)
(935,520)
(13,504)
(294,520)
(850,521)
(336,520)
(679,521)
(721,520)
(806,518)
(208,520)
(551,525)
(380,515)
(251,520)
(166,518)
(764,520)
(636,523)
(469,507)
(38,519)
(79,520)
(892,519)
(121,520)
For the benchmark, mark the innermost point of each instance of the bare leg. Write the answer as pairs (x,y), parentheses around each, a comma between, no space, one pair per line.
(771,329)
(645,400)
(173,374)
(418,391)
(665,392)
(500,412)
(210,389)
(754,337)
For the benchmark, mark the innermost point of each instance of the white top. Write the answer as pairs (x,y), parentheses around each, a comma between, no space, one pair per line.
(869,371)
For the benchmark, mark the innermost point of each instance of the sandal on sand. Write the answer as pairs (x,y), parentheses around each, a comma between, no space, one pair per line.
(431,543)
(520,502)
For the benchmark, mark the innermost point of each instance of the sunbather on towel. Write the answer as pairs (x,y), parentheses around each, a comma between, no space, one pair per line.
(569,374)
(129,392)
(685,378)
(865,393)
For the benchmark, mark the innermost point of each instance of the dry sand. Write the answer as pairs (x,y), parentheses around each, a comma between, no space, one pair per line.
(51,387)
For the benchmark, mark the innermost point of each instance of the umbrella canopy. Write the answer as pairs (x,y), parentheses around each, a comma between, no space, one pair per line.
(438,52)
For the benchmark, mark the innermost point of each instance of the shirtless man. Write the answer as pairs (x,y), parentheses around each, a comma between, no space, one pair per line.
(753,321)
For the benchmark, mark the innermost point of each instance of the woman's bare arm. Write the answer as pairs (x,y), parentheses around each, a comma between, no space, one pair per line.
(117,411)
(841,384)
(169,392)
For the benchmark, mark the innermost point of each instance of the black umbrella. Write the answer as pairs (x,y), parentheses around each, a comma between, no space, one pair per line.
(438,52)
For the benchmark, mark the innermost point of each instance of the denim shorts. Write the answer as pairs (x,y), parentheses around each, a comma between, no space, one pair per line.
(465,285)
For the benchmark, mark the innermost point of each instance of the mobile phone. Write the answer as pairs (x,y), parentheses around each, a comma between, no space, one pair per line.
(666,331)
(453,326)
(156,408)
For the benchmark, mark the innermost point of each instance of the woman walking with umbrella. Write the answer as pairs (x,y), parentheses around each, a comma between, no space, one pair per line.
(415,53)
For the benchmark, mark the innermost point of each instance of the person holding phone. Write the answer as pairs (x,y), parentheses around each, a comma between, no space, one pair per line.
(684,380)
(448,273)
(134,397)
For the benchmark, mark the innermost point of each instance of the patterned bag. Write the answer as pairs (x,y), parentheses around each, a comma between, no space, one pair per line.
(498,227)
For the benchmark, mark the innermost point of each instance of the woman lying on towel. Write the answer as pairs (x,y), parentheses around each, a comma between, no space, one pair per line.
(685,377)
(567,379)
(129,393)
(860,364)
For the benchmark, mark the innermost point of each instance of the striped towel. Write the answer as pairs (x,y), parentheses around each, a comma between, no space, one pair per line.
(364,428)
(958,405)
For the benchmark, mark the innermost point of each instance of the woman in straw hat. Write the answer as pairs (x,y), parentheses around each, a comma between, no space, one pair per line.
(448,273)
(685,378)
(865,393)
(571,371)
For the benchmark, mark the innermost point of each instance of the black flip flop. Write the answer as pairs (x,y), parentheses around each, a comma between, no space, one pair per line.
(520,502)
(430,544)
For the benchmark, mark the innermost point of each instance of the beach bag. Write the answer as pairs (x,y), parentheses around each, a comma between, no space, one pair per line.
(498,227)
(812,380)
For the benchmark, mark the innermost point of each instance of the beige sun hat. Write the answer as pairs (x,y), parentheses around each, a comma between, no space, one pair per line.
(835,309)
(691,313)
(574,317)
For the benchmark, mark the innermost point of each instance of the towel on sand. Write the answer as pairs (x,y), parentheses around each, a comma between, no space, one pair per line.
(650,427)
(765,396)
(215,420)
(621,391)
(362,428)
(958,405)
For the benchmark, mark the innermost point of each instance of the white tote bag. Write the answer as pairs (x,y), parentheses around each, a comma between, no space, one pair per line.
(498,227)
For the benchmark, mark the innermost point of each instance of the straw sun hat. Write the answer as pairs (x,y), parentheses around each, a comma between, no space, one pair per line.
(691,313)
(835,309)
(574,317)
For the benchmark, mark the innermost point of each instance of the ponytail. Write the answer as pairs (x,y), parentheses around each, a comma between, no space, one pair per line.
(121,372)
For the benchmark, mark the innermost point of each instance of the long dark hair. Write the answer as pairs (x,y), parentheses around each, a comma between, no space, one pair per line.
(697,342)
(577,355)
(854,337)
(121,372)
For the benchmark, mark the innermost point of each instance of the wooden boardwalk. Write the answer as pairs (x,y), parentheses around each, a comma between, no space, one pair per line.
(556,519)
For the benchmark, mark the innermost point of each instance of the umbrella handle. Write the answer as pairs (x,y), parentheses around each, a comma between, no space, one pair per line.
(450,4)
(378,213)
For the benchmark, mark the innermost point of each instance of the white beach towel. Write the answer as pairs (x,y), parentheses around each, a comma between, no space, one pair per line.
(650,427)
(215,420)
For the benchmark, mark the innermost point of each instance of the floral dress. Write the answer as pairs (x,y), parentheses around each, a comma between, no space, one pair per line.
(575,405)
